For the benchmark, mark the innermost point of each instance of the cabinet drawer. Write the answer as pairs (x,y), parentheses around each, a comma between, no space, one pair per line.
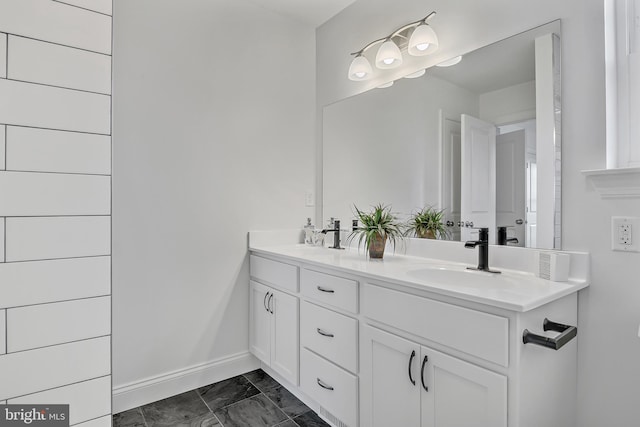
(330,334)
(331,290)
(275,273)
(333,388)
(476,333)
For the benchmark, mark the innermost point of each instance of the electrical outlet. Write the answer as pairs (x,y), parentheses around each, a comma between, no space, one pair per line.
(309,199)
(622,229)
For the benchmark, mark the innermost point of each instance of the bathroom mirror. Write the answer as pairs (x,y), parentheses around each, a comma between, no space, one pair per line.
(479,139)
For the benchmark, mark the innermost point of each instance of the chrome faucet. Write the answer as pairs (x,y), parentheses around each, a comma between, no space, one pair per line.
(483,250)
(335,224)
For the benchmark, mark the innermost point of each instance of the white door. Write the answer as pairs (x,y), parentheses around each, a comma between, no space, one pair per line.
(450,135)
(284,335)
(511,184)
(460,394)
(260,322)
(478,177)
(389,380)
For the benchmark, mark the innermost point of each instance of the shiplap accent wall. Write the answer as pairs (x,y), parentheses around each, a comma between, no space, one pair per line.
(55,205)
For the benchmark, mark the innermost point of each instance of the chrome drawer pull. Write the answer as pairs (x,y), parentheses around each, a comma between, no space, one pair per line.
(413,354)
(424,362)
(325,334)
(567,334)
(323,385)
(329,291)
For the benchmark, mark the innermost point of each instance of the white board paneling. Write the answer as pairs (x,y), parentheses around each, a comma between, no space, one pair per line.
(35,105)
(42,150)
(3,55)
(2,228)
(98,422)
(87,400)
(42,194)
(40,282)
(3,134)
(57,237)
(101,6)
(47,63)
(3,330)
(32,371)
(50,324)
(58,23)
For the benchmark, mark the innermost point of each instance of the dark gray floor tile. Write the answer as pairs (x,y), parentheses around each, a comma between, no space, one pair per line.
(310,419)
(208,420)
(261,380)
(286,401)
(256,411)
(287,423)
(175,410)
(131,418)
(227,392)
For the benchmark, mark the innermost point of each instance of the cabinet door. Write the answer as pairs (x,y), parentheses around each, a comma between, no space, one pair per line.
(461,394)
(260,322)
(284,335)
(388,396)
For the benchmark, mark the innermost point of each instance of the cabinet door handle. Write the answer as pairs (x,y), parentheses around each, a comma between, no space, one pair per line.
(269,303)
(323,385)
(413,355)
(325,334)
(329,291)
(264,301)
(424,362)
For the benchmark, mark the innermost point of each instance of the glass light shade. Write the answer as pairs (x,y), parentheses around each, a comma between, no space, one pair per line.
(415,75)
(386,85)
(450,62)
(423,41)
(388,55)
(360,69)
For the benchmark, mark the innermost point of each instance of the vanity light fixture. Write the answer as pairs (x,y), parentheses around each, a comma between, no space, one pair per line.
(450,62)
(417,74)
(386,85)
(418,37)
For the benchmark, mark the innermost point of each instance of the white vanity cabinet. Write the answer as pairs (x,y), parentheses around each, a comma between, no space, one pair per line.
(274,320)
(378,347)
(406,384)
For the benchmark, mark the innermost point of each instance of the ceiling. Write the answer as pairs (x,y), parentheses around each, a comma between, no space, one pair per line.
(313,12)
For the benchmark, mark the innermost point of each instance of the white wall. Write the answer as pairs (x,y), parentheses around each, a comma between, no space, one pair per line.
(509,105)
(609,348)
(213,136)
(55,187)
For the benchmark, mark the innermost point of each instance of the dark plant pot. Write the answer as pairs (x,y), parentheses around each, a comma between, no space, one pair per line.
(376,246)
(425,234)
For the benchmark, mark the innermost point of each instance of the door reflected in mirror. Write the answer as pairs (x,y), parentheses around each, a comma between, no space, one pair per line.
(480,139)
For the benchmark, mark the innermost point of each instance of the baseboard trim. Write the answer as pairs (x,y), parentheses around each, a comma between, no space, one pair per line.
(152,389)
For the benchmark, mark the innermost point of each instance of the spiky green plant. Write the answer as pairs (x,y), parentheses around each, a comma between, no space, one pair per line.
(379,221)
(425,220)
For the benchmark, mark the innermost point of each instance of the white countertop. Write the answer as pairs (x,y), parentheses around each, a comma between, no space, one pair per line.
(511,290)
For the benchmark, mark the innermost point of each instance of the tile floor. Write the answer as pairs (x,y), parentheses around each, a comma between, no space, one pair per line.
(250,400)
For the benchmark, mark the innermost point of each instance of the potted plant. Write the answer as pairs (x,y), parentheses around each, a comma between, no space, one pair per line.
(427,223)
(376,227)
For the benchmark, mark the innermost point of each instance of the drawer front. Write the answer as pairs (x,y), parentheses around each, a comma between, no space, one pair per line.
(275,273)
(330,334)
(473,332)
(333,388)
(331,290)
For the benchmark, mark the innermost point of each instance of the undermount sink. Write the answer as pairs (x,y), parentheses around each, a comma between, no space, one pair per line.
(461,276)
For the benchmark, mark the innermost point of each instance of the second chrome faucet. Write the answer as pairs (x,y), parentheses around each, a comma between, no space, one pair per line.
(483,251)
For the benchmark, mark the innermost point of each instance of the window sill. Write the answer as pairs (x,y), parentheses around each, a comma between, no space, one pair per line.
(619,183)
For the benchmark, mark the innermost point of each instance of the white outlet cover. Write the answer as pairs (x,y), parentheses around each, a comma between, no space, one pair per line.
(625,234)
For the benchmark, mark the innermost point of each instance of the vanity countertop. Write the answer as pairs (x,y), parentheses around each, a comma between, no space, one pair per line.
(512,290)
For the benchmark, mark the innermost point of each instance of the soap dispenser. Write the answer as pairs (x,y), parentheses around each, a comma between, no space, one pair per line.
(309,229)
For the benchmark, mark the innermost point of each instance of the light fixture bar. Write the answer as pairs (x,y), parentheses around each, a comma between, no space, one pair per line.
(395,33)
